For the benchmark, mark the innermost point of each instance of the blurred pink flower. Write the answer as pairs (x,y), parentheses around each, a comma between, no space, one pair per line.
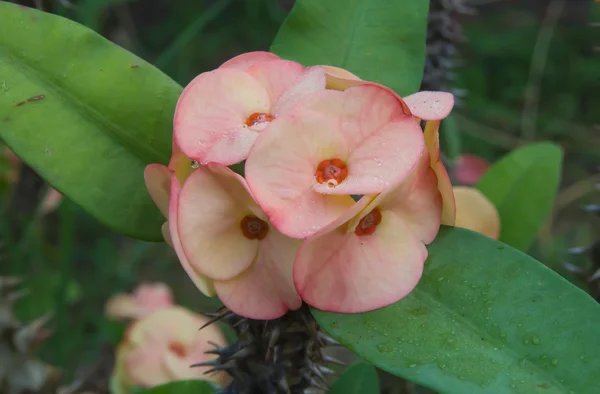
(333,144)
(221,112)
(145,299)
(469,168)
(161,347)
(220,232)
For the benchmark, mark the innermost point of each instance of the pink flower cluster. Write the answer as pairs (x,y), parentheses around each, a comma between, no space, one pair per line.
(342,190)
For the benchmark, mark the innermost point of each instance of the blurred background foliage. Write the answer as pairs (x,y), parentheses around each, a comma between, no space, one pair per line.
(513,91)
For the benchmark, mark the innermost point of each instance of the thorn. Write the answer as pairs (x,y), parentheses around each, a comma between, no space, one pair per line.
(315,370)
(325,370)
(17,295)
(595,276)
(578,250)
(333,360)
(572,268)
(591,208)
(283,385)
(317,385)
(216,317)
(210,363)
(244,352)
(327,339)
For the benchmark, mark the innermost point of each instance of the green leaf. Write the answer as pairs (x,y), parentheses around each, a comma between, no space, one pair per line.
(523,186)
(452,140)
(485,318)
(182,387)
(359,378)
(378,40)
(86,114)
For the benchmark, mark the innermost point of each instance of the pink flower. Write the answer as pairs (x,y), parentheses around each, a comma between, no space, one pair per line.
(333,144)
(161,347)
(475,212)
(145,299)
(431,107)
(220,232)
(158,183)
(469,168)
(373,254)
(221,112)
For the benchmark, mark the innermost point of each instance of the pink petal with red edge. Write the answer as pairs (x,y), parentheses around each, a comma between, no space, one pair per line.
(281,173)
(212,204)
(382,160)
(430,105)
(158,183)
(246,60)
(432,141)
(312,80)
(417,201)
(342,272)
(210,117)
(276,76)
(203,283)
(266,290)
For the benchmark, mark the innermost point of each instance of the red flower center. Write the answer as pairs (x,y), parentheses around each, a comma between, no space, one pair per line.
(254,228)
(258,118)
(178,349)
(369,223)
(332,172)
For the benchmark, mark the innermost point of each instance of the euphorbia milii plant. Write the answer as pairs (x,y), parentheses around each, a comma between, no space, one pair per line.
(312,149)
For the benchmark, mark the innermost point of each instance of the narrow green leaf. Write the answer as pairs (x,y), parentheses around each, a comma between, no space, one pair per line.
(359,378)
(86,114)
(485,318)
(523,186)
(378,40)
(181,387)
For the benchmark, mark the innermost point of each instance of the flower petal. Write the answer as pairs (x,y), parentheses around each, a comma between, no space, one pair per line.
(210,117)
(281,173)
(432,141)
(246,60)
(158,183)
(276,76)
(384,144)
(342,272)
(340,79)
(382,160)
(430,105)
(417,201)
(312,80)
(204,284)
(212,204)
(266,290)
(475,212)
(164,229)
(469,168)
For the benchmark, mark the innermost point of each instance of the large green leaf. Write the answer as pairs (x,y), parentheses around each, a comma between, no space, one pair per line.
(485,318)
(86,114)
(378,40)
(359,378)
(523,185)
(181,387)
